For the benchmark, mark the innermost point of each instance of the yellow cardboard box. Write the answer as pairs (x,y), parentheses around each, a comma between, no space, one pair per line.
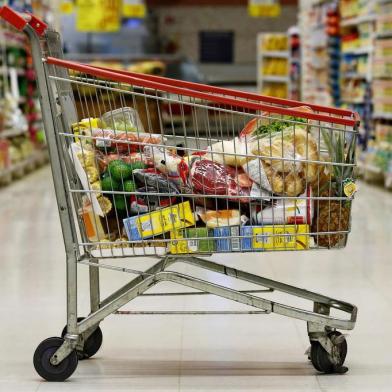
(275,237)
(178,216)
(192,240)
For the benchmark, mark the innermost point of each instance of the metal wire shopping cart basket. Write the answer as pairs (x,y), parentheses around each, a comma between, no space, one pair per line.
(148,166)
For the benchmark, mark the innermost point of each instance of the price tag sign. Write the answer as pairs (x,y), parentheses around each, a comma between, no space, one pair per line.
(134,9)
(264,8)
(98,16)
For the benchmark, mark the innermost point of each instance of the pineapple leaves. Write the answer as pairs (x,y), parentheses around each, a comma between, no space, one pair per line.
(335,142)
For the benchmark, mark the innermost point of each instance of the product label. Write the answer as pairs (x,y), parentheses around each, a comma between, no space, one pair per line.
(349,187)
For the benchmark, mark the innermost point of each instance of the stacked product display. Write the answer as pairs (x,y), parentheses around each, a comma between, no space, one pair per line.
(359,76)
(295,63)
(273,64)
(333,48)
(357,29)
(22,146)
(379,156)
(315,58)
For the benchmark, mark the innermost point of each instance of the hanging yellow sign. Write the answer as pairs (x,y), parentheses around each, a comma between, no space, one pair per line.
(134,9)
(98,16)
(66,7)
(264,8)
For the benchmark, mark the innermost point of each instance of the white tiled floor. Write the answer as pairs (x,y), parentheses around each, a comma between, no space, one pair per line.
(194,353)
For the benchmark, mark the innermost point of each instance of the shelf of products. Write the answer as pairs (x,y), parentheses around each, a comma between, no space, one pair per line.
(273,64)
(359,77)
(379,152)
(294,63)
(22,145)
(314,52)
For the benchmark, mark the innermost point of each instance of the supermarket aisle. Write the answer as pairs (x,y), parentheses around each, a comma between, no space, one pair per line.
(195,353)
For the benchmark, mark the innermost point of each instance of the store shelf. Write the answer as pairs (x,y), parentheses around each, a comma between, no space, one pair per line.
(275,53)
(19,169)
(12,133)
(359,51)
(387,34)
(369,167)
(275,79)
(353,101)
(358,20)
(19,71)
(354,75)
(382,116)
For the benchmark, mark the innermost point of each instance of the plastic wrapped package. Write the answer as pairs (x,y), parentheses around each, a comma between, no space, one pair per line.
(290,184)
(221,218)
(228,152)
(103,160)
(267,126)
(123,119)
(292,211)
(121,142)
(212,178)
(169,163)
(153,183)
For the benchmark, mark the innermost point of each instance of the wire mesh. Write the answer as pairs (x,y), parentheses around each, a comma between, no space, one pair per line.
(152,172)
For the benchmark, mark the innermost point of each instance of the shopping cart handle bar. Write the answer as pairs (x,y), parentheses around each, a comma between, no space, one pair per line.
(20,21)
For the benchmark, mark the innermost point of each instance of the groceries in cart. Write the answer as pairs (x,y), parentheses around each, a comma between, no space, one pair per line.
(281,183)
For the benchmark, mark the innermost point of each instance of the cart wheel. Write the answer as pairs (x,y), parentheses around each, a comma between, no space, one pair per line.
(322,361)
(91,345)
(45,369)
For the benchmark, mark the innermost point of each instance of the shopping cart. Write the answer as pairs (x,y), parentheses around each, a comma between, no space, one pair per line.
(145,166)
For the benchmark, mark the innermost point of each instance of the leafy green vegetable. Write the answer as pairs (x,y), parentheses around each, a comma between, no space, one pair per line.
(277,126)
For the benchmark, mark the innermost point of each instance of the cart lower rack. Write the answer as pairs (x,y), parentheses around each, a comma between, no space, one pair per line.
(145,166)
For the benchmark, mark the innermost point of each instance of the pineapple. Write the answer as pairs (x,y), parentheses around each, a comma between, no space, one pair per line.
(334,215)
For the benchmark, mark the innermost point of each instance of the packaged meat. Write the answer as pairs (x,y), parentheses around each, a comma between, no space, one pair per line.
(212,178)
(121,142)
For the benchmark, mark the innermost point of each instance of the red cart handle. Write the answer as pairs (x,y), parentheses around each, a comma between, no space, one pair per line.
(19,21)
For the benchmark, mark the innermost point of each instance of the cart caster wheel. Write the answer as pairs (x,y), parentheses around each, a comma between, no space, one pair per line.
(50,372)
(322,361)
(91,345)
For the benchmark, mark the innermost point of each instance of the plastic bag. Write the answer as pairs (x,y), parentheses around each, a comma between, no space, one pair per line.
(266,126)
(291,184)
(228,152)
(292,211)
(211,178)
(108,140)
(169,163)
(153,184)
(103,160)
(221,218)
(123,119)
